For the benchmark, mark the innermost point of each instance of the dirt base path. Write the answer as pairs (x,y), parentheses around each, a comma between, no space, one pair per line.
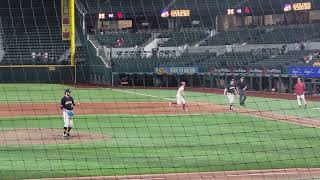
(37,109)
(275,174)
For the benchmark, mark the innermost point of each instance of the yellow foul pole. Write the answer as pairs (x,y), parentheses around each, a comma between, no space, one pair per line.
(72,32)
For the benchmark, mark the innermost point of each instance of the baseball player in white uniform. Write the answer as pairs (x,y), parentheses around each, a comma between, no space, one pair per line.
(230,91)
(180,96)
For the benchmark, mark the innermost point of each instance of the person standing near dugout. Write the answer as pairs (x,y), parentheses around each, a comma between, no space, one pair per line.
(242,87)
(66,105)
(230,91)
(299,90)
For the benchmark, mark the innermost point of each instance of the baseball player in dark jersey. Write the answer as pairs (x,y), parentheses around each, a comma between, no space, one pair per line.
(66,106)
(242,87)
(230,91)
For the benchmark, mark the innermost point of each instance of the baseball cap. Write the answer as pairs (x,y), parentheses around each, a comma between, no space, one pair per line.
(67,91)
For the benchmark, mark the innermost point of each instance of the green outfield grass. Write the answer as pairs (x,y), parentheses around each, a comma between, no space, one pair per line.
(143,144)
(17,93)
(162,144)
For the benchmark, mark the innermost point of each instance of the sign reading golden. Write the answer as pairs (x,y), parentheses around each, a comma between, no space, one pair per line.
(302,6)
(180,13)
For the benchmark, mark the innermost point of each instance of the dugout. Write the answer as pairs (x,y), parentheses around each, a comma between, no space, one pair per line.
(281,83)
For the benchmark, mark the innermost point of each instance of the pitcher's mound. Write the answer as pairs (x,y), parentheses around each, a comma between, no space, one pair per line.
(47,136)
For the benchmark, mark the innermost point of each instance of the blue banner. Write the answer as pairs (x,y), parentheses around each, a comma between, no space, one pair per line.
(305,71)
(176,70)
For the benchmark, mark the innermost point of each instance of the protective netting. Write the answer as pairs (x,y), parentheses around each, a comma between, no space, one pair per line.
(173,88)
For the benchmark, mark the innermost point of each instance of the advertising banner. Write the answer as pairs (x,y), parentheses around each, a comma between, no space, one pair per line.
(65,15)
(176,70)
(305,71)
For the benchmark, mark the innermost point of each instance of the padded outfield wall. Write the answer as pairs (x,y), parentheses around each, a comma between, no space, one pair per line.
(40,74)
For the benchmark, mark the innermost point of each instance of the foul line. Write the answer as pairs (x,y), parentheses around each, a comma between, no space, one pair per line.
(142,94)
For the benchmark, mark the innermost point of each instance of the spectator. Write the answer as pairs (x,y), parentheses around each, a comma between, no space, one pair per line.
(302,47)
(318,90)
(283,49)
(124,81)
(120,41)
(33,55)
(316,55)
(44,58)
(306,59)
(45,55)
(39,57)
(310,57)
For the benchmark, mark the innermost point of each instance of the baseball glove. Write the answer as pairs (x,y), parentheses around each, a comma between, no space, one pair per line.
(70,113)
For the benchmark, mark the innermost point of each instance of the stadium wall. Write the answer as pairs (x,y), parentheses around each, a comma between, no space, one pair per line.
(95,70)
(38,74)
(281,83)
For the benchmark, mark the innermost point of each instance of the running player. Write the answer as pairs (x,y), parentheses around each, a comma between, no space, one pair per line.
(180,96)
(230,91)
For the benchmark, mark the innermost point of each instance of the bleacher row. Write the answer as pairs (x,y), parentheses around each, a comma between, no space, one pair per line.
(130,39)
(267,35)
(261,35)
(34,32)
(241,60)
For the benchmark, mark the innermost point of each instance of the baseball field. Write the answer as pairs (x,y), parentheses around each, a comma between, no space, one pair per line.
(135,132)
